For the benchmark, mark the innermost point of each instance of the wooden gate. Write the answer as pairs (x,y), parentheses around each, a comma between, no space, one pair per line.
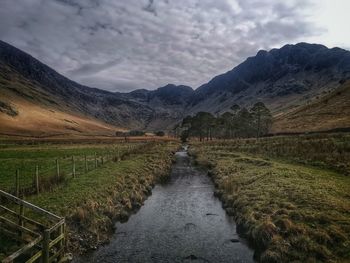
(40,236)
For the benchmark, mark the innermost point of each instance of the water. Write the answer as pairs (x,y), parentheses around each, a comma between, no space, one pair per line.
(181,222)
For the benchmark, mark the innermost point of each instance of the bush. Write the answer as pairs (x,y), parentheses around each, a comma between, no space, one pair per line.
(121,134)
(184,136)
(136,133)
(160,133)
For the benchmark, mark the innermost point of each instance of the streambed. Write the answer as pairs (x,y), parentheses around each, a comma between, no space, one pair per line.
(181,221)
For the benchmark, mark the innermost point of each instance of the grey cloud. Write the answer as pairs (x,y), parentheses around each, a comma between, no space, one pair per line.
(109,83)
(93,68)
(151,7)
(124,45)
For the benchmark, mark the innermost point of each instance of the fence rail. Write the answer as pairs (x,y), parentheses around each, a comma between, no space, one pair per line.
(38,241)
(44,179)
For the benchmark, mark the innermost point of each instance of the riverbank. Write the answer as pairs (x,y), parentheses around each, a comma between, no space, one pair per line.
(92,202)
(288,211)
(181,222)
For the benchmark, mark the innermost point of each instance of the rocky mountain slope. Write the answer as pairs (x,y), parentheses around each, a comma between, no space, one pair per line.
(326,113)
(284,79)
(168,104)
(25,80)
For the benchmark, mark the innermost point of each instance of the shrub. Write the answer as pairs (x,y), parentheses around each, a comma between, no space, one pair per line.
(160,133)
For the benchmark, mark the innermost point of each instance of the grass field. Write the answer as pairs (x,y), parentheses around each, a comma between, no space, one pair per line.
(323,150)
(289,209)
(92,201)
(25,158)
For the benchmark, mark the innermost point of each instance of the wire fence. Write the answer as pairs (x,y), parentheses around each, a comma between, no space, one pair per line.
(35,177)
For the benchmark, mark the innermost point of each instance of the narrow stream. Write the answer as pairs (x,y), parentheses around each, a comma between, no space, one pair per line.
(181,222)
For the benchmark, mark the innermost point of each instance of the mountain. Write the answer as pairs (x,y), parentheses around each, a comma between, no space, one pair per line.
(36,100)
(326,113)
(168,104)
(25,83)
(28,109)
(282,78)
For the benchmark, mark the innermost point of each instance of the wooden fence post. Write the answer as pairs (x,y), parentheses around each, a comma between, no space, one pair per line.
(46,246)
(57,169)
(36,180)
(20,219)
(73,164)
(17,183)
(86,166)
(61,232)
(102,160)
(95,161)
(65,243)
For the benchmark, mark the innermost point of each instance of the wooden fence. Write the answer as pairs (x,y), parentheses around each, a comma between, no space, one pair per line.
(40,235)
(73,166)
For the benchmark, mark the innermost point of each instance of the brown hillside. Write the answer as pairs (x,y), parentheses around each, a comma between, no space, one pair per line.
(330,112)
(28,110)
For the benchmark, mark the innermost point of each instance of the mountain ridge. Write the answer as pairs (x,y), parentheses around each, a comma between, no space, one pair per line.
(283,79)
(270,71)
(117,109)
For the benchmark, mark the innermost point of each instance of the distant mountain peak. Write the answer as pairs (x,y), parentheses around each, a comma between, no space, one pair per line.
(174,87)
(281,78)
(262,53)
(276,74)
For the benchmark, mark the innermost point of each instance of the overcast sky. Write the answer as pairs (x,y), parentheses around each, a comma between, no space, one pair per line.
(121,45)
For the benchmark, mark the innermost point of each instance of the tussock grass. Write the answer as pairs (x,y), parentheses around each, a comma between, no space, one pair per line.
(323,150)
(288,211)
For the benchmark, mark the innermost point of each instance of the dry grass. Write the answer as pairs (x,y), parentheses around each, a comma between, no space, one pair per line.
(39,114)
(324,150)
(37,121)
(331,111)
(288,211)
(91,203)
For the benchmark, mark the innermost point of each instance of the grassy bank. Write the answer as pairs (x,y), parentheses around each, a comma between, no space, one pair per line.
(25,158)
(93,201)
(287,210)
(323,150)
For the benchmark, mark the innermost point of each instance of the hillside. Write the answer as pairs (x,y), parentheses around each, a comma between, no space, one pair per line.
(26,109)
(168,104)
(36,100)
(330,112)
(26,82)
(282,78)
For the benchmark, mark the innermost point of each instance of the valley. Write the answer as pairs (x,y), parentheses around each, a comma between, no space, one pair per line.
(287,80)
(287,195)
(252,166)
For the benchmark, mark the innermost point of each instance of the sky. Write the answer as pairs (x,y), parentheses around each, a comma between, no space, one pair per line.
(122,45)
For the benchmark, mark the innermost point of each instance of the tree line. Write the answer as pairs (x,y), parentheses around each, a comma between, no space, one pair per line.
(238,122)
(135,133)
